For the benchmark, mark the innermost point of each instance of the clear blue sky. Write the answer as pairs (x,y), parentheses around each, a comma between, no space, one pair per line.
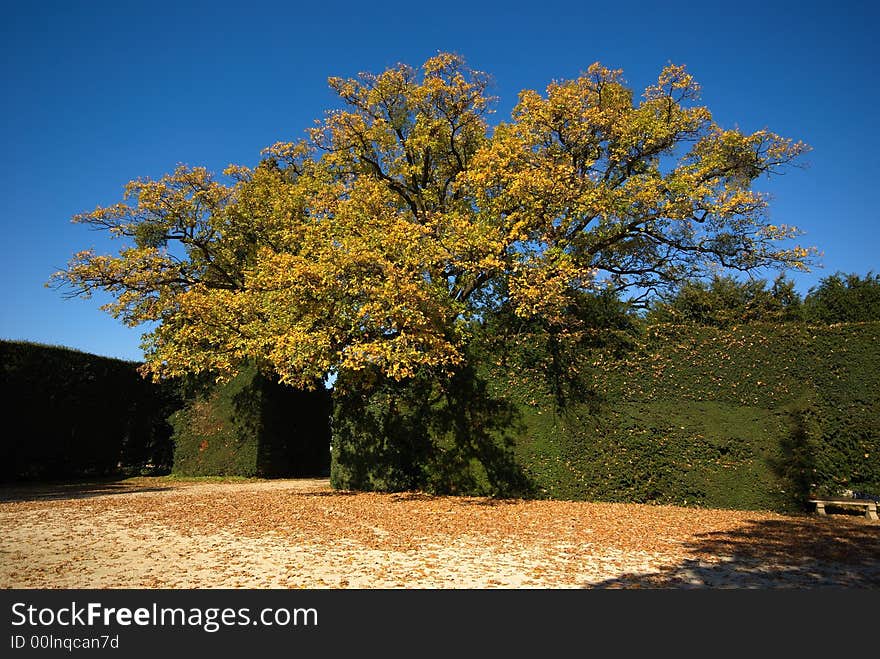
(98,93)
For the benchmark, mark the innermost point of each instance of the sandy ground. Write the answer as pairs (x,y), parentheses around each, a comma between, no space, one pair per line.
(155,533)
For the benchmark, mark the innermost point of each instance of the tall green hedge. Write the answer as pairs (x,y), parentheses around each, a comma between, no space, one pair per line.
(750,417)
(252,426)
(450,437)
(70,414)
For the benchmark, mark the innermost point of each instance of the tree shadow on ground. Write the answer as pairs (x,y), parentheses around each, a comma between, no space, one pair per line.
(404,497)
(307,494)
(491,502)
(55,491)
(797,553)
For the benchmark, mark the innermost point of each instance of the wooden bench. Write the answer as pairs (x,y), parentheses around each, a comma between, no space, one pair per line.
(869,506)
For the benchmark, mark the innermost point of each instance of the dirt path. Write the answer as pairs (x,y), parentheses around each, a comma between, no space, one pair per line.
(153,533)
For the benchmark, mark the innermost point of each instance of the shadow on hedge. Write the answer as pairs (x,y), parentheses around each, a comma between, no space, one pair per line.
(428,435)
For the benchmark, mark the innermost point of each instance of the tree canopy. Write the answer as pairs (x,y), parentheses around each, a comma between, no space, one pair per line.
(404,218)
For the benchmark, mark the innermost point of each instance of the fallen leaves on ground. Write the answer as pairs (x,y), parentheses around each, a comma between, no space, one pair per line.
(302,534)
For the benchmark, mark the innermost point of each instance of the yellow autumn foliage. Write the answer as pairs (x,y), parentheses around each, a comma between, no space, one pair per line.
(404,218)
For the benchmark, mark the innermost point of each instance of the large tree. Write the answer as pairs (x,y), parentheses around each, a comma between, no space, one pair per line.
(378,242)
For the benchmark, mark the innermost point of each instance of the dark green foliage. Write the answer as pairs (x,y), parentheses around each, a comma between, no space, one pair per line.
(842,298)
(597,322)
(725,301)
(755,417)
(751,417)
(448,437)
(252,426)
(380,436)
(74,415)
